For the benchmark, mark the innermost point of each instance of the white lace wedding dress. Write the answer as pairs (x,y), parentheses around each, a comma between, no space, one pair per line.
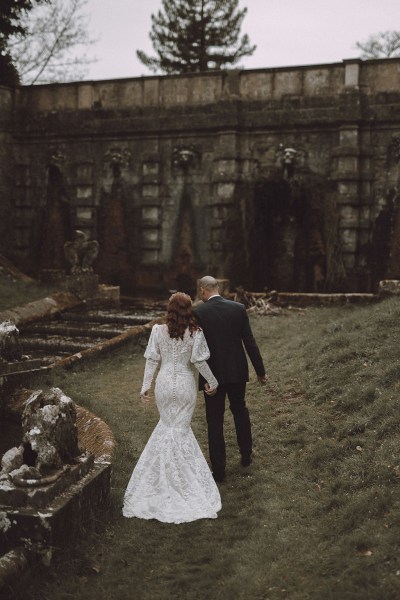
(172,481)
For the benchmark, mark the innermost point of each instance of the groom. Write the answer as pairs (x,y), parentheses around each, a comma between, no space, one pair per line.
(227,329)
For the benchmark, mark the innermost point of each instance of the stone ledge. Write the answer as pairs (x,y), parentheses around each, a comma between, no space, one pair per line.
(62,520)
(315,299)
(39,496)
(323,299)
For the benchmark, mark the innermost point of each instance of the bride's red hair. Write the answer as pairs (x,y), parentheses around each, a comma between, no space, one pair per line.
(180,315)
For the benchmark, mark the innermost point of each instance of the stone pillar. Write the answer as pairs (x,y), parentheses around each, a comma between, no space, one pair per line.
(151,221)
(85,201)
(353,179)
(222,203)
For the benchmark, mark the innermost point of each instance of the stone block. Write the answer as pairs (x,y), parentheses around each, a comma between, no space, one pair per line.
(256,86)
(349,136)
(288,81)
(389,287)
(41,496)
(108,295)
(151,91)
(84,285)
(149,256)
(349,215)
(151,238)
(205,89)
(351,72)
(317,81)
(150,215)
(225,191)
(150,191)
(348,238)
(84,192)
(348,164)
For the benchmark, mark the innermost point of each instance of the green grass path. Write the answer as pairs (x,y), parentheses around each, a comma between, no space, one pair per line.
(317,514)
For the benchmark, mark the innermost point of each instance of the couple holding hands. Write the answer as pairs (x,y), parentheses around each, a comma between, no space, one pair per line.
(172,481)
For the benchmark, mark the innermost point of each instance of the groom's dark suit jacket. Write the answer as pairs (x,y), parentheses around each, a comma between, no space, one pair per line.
(227,331)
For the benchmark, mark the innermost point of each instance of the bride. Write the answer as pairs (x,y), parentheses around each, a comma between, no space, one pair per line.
(172,481)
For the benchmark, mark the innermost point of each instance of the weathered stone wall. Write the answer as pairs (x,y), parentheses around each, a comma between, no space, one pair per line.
(6,166)
(177,176)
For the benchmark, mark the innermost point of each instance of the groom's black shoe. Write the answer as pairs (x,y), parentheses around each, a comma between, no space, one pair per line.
(219,476)
(246,460)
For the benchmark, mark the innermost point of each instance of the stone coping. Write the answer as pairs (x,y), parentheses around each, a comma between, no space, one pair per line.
(94,435)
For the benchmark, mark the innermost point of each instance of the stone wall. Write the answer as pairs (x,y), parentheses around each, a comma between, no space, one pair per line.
(6,167)
(280,178)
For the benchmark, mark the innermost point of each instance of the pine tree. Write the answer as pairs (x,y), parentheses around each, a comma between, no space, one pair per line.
(196,35)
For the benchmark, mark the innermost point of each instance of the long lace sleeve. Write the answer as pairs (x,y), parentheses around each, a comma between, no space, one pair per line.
(200,353)
(149,370)
(205,370)
(152,356)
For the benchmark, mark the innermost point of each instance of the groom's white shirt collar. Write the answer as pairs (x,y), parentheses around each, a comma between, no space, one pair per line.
(213,296)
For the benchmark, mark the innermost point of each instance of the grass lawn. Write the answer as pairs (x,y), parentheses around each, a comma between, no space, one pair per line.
(317,514)
(14,292)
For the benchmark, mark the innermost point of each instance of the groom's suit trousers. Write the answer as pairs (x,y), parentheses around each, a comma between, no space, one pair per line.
(228,333)
(215,409)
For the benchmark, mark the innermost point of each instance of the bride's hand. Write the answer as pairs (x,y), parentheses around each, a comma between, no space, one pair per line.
(145,397)
(209,391)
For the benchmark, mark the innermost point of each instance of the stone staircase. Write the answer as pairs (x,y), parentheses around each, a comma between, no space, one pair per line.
(77,330)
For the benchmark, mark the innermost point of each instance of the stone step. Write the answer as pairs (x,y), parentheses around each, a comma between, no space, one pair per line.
(55,344)
(74,329)
(98,316)
(23,366)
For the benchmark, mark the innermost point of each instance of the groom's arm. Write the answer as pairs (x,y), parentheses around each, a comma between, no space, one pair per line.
(252,349)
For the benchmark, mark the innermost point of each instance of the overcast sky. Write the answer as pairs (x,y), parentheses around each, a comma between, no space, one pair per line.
(286,32)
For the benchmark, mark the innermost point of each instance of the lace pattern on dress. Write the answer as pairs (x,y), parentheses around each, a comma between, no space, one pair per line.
(172,481)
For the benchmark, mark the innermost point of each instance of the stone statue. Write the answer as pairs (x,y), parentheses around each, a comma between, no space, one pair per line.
(49,440)
(287,159)
(10,349)
(81,253)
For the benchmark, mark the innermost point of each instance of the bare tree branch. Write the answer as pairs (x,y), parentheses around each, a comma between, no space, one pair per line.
(385,44)
(48,51)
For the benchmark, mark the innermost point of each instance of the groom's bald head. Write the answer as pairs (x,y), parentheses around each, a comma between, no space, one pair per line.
(208,286)
(208,283)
